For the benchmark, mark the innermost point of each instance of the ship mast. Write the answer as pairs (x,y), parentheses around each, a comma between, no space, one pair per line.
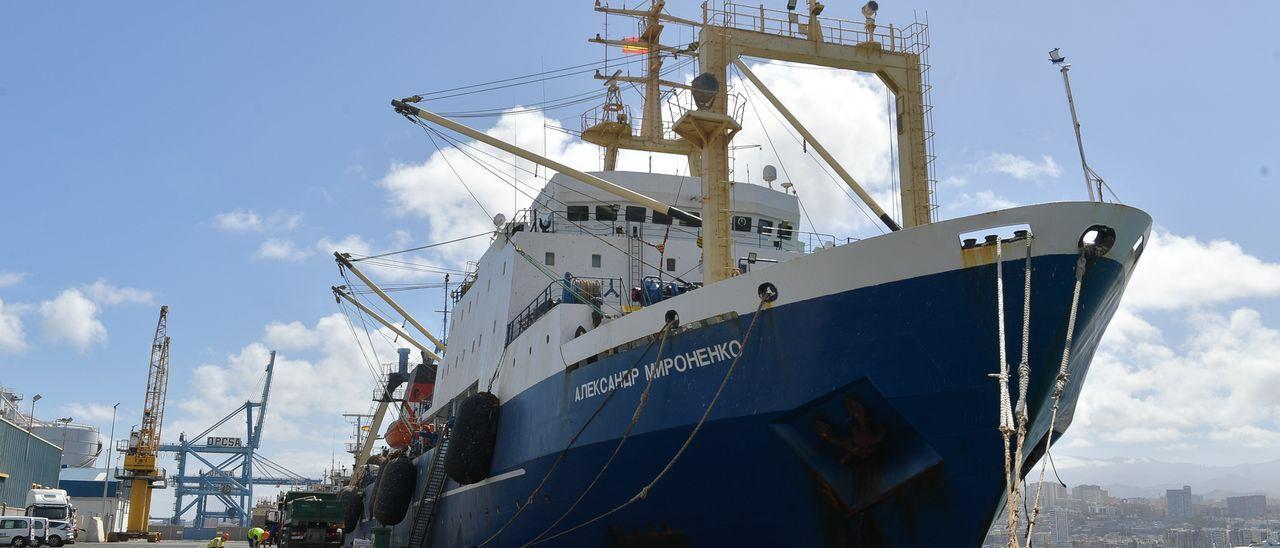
(610,126)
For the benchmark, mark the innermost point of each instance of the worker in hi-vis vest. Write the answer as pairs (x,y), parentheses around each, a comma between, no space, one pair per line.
(216,542)
(255,536)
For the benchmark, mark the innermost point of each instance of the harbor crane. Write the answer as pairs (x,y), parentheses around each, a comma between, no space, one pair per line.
(234,467)
(140,470)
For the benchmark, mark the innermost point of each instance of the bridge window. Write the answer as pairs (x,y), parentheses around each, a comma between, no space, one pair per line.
(661,218)
(784,230)
(550,259)
(764,226)
(671,264)
(690,223)
(595,261)
(741,224)
(635,214)
(577,213)
(606,213)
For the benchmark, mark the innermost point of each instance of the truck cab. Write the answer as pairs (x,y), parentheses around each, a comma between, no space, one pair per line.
(53,506)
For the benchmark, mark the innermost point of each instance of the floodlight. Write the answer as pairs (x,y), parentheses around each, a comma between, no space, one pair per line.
(1055,56)
(869,9)
(499,220)
(751,257)
(705,87)
(791,5)
(816,9)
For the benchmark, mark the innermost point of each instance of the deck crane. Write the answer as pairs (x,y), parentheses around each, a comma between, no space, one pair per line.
(345,262)
(140,470)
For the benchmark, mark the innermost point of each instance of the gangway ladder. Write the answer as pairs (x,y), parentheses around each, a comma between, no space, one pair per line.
(635,256)
(431,492)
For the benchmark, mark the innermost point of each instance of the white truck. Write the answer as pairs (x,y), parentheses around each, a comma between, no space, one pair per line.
(55,505)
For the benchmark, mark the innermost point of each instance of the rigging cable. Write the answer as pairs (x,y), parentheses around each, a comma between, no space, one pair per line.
(609,397)
(420,248)
(781,163)
(502,177)
(839,184)
(455,173)
(547,75)
(711,405)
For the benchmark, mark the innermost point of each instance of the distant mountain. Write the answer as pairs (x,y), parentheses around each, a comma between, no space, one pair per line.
(1123,477)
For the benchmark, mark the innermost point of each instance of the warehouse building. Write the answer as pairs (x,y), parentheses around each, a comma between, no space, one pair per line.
(25,459)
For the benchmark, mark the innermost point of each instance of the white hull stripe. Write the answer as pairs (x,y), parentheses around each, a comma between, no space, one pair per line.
(491,479)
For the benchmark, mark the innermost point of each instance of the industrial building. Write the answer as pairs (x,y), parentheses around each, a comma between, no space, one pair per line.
(25,459)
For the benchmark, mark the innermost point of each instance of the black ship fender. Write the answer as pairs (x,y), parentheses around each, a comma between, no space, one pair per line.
(395,491)
(472,441)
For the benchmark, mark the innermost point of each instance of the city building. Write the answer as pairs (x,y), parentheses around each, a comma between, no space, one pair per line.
(1052,494)
(1092,494)
(1179,502)
(1058,521)
(1248,506)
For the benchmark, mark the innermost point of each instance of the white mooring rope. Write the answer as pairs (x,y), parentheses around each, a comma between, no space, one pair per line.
(1059,384)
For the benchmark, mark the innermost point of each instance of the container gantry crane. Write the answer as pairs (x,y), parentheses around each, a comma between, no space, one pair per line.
(234,467)
(140,470)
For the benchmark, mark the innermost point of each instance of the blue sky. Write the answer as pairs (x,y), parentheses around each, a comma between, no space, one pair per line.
(208,156)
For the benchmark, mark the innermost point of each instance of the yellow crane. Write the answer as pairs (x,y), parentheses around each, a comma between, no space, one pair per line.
(144,443)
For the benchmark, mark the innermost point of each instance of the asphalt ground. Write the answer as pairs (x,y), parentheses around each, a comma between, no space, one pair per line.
(165,543)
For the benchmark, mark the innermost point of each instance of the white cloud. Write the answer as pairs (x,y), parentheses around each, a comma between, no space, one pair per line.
(353,244)
(1218,383)
(1248,436)
(977,202)
(248,220)
(8,279)
(88,412)
(1211,385)
(290,336)
(106,294)
(238,221)
(320,373)
(407,266)
(12,337)
(857,132)
(72,318)
(1178,272)
(1018,167)
(276,249)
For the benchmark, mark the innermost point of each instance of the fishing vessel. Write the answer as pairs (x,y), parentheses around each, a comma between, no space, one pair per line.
(644,359)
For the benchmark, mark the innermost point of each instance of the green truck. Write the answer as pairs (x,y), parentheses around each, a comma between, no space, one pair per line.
(310,518)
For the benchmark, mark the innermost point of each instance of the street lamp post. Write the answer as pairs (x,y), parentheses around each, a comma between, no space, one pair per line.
(31,423)
(64,421)
(106,476)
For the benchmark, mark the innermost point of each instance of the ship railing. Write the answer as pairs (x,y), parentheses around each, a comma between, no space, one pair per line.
(607,113)
(681,101)
(604,293)
(468,279)
(834,31)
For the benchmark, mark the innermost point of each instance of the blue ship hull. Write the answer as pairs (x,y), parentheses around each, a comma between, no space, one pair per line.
(913,357)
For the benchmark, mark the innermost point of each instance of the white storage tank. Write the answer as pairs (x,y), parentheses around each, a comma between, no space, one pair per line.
(81,444)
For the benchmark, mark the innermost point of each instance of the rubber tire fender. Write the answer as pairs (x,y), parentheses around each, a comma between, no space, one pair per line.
(472,442)
(352,509)
(395,491)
